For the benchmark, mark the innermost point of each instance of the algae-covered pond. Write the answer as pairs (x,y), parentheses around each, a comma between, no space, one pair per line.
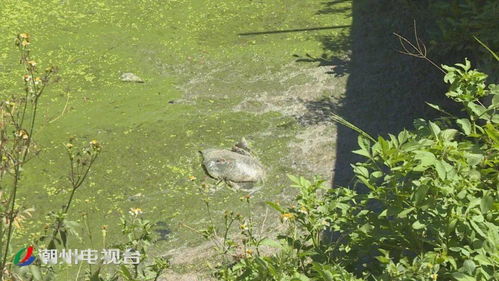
(214,71)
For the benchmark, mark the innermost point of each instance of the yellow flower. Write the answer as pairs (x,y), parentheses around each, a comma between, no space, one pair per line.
(31,63)
(243,226)
(69,145)
(95,144)
(23,134)
(135,211)
(24,43)
(192,178)
(287,216)
(24,35)
(249,252)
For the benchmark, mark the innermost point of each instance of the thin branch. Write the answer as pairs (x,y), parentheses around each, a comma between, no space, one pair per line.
(417,49)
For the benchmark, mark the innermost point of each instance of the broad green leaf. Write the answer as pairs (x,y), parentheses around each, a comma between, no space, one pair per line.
(483,260)
(486,203)
(362,152)
(366,228)
(427,158)
(451,226)
(479,110)
(462,277)
(469,266)
(434,128)
(361,171)
(465,125)
(477,228)
(417,225)
(440,168)
(473,159)
(420,194)
(405,212)
(448,134)
(383,144)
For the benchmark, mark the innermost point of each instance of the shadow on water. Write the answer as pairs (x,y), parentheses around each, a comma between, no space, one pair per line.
(385,90)
(293,30)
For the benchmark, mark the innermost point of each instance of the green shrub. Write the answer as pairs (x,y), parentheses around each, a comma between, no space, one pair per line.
(431,212)
(455,26)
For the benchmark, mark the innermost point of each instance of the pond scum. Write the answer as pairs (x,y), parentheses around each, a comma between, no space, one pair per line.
(101,179)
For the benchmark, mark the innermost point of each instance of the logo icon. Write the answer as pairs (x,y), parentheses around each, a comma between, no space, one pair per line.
(27,259)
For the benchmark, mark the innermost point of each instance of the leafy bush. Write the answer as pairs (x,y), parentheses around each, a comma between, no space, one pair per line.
(460,20)
(431,212)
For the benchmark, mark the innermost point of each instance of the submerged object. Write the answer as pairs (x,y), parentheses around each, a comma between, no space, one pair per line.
(235,166)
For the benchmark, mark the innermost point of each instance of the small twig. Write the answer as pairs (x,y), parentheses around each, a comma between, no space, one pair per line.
(63,110)
(417,49)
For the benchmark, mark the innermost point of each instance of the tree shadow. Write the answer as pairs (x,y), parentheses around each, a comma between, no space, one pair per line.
(339,64)
(385,90)
(318,111)
(331,8)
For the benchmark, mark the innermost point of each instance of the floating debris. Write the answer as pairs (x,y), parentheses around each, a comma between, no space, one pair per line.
(130,77)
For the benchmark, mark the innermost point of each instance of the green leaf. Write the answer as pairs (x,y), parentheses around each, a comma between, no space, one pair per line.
(451,226)
(465,125)
(462,277)
(483,260)
(469,266)
(361,171)
(479,110)
(275,206)
(405,212)
(434,128)
(477,229)
(427,158)
(473,159)
(299,277)
(417,225)
(486,203)
(440,168)
(448,134)
(366,228)
(271,243)
(420,194)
